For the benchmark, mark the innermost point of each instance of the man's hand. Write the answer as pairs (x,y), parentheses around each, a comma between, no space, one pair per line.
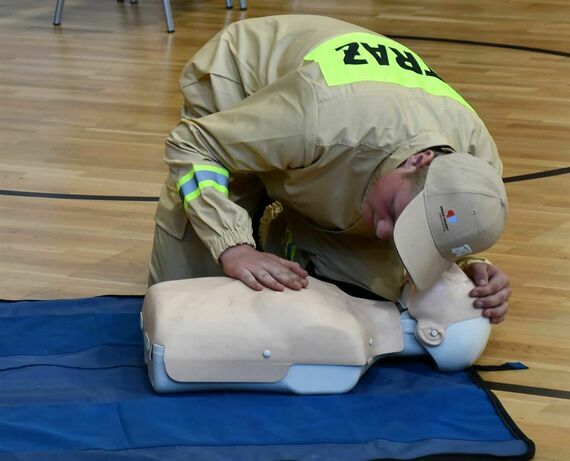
(492,290)
(257,269)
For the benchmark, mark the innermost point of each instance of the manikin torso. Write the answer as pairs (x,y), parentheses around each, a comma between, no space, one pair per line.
(216,333)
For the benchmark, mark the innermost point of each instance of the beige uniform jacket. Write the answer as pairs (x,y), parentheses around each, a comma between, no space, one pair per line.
(317,145)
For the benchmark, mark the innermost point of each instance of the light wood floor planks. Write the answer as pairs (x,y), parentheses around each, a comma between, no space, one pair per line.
(85,109)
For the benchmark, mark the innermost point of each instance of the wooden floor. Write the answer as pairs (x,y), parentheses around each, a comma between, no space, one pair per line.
(86,107)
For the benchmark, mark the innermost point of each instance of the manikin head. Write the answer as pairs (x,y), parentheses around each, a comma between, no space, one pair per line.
(448,327)
(437,209)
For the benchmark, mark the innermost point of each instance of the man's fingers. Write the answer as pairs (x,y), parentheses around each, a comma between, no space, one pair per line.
(291,274)
(493,286)
(492,290)
(266,279)
(496,314)
(493,300)
(285,276)
(294,267)
(480,274)
(496,281)
(496,320)
(249,279)
(257,269)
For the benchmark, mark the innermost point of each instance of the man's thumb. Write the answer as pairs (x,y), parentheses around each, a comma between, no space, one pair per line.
(480,274)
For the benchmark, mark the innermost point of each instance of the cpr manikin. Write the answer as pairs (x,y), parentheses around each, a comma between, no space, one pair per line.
(215,334)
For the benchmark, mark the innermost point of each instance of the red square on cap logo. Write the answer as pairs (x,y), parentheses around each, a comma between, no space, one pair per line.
(451,218)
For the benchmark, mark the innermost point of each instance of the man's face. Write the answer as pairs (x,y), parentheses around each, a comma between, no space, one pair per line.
(386,201)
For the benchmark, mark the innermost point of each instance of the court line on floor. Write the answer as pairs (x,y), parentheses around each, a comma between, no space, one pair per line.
(122,198)
(529,390)
(564,54)
(538,174)
(131,198)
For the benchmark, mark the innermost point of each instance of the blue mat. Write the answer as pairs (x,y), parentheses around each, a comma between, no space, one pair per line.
(73,386)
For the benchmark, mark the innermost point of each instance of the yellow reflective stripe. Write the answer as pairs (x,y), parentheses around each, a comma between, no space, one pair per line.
(190,196)
(200,177)
(201,186)
(188,176)
(214,184)
(360,56)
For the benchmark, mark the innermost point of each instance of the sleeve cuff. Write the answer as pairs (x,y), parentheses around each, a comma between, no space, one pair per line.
(229,239)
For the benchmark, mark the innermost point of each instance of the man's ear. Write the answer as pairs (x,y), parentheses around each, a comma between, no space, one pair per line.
(420,159)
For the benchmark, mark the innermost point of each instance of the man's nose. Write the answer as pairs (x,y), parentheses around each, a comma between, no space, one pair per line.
(385,229)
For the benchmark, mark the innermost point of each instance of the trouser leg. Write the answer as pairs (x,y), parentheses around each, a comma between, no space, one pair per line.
(173,258)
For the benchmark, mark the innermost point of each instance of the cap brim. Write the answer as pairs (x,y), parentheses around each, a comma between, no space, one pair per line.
(415,245)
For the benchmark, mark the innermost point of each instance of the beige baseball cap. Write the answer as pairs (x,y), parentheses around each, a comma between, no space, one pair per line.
(461,210)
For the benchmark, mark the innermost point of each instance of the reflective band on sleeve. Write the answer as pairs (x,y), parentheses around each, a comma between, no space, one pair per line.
(199,178)
(359,57)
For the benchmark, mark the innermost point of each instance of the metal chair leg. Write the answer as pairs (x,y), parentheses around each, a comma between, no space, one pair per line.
(58,13)
(167,12)
(242,4)
(168,16)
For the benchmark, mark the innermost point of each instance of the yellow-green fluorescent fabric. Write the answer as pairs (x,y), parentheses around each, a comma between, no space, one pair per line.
(373,58)
(265,100)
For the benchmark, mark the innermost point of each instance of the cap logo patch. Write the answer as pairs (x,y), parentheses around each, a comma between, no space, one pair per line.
(451,216)
(461,251)
(446,218)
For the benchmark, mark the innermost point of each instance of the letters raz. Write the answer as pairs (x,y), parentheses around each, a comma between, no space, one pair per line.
(406,60)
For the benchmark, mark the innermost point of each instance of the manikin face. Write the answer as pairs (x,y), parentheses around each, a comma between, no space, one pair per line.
(391,194)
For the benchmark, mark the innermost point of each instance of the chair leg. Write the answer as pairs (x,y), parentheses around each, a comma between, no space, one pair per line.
(243,4)
(168,16)
(167,12)
(58,13)
(229,4)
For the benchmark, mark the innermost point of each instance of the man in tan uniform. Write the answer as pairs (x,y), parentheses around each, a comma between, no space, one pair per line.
(333,121)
